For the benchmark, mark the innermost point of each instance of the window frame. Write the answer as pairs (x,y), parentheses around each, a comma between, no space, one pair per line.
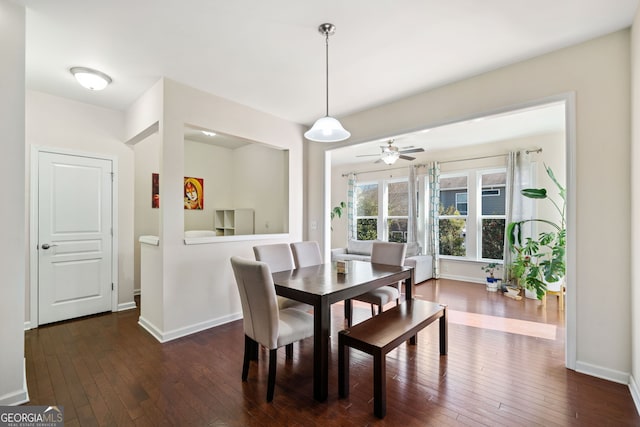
(461,216)
(382,229)
(480,173)
(474,217)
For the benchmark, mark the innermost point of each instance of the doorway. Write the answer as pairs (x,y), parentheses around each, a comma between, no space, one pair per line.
(72,229)
(340,161)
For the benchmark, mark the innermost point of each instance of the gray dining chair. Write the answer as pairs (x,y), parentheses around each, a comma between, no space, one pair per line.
(279,258)
(264,323)
(306,253)
(388,253)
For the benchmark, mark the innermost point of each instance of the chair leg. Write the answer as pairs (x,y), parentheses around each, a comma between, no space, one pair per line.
(348,312)
(249,345)
(289,351)
(373,313)
(271,382)
(380,309)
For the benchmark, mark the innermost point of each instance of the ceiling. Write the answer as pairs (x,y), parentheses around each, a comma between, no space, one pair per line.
(510,125)
(270,56)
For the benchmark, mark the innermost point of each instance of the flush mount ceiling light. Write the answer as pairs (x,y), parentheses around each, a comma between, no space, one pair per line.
(208,133)
(327,129)
(91,79)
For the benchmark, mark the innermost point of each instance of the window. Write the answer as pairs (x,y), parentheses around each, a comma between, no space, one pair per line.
(493,214)
(382,210)
(367,211)
(472,214)
(453,221)
(397,211)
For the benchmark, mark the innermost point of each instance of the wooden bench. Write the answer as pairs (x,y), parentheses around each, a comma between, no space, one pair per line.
(381,334)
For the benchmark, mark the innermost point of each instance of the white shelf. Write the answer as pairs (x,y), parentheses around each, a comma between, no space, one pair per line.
(233,222)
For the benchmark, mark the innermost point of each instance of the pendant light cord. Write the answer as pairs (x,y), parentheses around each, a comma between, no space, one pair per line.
(327,68)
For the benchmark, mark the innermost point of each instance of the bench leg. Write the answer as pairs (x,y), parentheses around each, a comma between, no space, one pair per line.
(379,385)
(444,338)
(343,367)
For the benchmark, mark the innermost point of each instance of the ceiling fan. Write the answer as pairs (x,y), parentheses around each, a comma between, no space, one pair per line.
(391,153)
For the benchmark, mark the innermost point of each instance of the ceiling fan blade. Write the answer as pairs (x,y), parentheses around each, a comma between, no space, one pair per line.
(378,161)
(407,157)
(413,150)
(366,155)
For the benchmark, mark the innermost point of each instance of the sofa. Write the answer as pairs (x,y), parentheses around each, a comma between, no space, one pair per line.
(360,250)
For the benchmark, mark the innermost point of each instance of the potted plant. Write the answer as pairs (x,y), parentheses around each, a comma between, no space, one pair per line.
(337,211)
(492,281)
(540,261)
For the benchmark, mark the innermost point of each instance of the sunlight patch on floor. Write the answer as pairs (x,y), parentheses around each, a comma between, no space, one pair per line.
(513,326)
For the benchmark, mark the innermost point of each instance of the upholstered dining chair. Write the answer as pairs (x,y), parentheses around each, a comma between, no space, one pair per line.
(388,253)
(306,253)
(279,258)
(264,323)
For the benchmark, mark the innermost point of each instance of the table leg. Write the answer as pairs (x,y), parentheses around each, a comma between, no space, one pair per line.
(444,338)
(408,287)
(348,311)
(321,324)
(408,295)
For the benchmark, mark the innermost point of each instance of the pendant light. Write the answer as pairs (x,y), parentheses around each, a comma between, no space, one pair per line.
(327,129)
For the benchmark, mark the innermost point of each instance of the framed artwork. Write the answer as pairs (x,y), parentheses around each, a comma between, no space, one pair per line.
(193,193)
(155,190)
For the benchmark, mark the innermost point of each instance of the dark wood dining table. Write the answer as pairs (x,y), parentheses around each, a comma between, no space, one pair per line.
(321,286)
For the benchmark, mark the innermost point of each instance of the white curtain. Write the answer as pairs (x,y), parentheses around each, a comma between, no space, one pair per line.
(433,241)
(352,226)
(518,207)
(412,226)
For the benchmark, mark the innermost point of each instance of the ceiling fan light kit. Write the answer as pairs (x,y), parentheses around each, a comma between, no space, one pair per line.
(327,128)
(391,153)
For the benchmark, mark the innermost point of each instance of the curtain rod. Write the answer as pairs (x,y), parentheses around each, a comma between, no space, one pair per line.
(344,175)
(533,150)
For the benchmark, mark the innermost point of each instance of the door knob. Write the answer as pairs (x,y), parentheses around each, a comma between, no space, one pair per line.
(47,246)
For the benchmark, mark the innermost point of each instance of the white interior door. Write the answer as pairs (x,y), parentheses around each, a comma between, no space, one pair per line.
(74,236)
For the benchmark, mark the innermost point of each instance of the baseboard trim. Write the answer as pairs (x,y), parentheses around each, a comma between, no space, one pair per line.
(167,336)
(462,278)
(127,306)
(17,397)
(635,393)
(604,373)
(150,327)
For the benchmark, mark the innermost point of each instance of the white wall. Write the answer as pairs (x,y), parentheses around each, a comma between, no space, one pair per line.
(215,165)
(253,176)
(13,387)
(260,182)
(635,210)
(598,72)
(61,123)
(146,218)
(195,282)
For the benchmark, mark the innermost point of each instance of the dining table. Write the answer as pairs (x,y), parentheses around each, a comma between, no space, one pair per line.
(322,285)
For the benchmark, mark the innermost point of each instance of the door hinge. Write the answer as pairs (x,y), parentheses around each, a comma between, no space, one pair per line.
(111,176)
(112,286)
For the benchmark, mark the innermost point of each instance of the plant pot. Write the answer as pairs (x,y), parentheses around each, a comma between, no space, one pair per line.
(492,284)
(513,291)
(530,294)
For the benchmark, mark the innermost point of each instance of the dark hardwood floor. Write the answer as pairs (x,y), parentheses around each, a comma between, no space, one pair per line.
(505,367)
